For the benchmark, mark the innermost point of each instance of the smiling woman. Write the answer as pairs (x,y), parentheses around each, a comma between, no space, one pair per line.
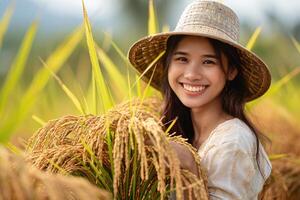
(206,77)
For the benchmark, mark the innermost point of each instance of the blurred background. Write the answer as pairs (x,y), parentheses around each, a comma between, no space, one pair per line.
(123,22)
(126,21)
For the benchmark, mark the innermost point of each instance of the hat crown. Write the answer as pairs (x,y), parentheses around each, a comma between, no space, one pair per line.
(201,14)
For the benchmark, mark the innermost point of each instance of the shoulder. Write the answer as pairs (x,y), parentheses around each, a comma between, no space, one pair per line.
(233,132)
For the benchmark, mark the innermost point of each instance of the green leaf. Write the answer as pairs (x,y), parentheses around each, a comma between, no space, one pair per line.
(17,67)
(101,87)
(275,87)
(118,79)
(149,67)
(38,120)
(283,81)
(253,38)
(165,28)
(55,62)
(68,92)
(5,22)
(296,44)
(152,20)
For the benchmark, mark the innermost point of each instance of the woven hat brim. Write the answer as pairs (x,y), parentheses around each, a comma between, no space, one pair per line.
(146,50)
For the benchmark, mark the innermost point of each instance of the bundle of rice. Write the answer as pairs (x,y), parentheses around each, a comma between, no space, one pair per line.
(284,183)
(110,151)
(20,181)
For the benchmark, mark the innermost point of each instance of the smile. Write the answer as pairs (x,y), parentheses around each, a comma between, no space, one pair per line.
(192,88)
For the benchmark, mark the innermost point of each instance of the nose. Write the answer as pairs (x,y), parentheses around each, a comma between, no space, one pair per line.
(193,71)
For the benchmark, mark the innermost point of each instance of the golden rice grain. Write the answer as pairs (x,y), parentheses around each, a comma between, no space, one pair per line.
(20,181)
(81,146)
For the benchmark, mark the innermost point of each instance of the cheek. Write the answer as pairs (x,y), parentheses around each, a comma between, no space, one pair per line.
(221,80)
(218,77)
(172,74)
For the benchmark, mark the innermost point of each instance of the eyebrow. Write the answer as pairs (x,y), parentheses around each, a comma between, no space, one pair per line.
(205,55)
(180,53)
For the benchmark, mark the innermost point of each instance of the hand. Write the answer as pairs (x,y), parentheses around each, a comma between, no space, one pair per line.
(185,157)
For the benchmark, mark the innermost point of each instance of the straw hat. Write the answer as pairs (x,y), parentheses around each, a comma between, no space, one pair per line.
(209,19)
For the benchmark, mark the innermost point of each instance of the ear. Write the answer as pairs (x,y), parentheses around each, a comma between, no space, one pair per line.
(232,74)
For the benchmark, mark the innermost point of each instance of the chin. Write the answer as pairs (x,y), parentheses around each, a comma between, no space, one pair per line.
(192,103)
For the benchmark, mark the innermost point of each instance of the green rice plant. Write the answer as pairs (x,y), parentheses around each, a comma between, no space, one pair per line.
(21,181)
(110,151)
(101,89)
(117,80)
(55,61)
(17,68)
(253,38)
(68,92)
(296,44)
(5,22)
(152,19)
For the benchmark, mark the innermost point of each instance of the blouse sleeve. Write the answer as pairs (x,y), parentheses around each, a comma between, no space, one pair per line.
(232,172)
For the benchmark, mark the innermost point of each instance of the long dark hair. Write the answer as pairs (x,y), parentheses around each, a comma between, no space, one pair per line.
(233,95)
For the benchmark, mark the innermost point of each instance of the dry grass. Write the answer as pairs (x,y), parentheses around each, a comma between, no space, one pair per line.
(284,133)
(282,128)
(284,183)
(110,151)
(20,181)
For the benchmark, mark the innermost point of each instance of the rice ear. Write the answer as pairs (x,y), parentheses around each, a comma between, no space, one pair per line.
(21,181)
(110,151)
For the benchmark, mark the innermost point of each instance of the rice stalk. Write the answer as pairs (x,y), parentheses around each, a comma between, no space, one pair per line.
(41,78)
(110,151)
(283,81)
(129,71)
(101,87)
(117,78)
(5,22)
(38,120)
(152,64)
(296,43)
(253,38)
(17,67)
(20,181)
(69,93)
(152,19)
(284,181)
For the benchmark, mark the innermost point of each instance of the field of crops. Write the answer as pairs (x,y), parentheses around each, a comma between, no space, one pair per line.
(75,112)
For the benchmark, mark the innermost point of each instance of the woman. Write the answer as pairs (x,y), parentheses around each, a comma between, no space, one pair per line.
(206,77)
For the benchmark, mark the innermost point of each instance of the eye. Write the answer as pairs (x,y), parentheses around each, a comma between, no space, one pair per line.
(209,62)
(181,59)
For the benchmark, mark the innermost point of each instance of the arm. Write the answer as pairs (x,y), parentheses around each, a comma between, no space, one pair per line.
(185,157)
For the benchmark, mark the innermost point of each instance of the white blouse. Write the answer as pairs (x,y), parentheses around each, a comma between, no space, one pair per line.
(229,157)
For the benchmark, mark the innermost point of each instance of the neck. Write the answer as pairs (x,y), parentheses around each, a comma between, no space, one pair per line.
(205,119)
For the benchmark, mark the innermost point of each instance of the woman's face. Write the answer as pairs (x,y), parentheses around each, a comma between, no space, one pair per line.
(195,73)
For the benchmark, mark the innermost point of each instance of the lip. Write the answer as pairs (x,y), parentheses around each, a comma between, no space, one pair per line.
(191,93)
(192,84)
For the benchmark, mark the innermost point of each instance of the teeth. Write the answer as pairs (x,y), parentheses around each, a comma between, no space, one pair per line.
(193,88)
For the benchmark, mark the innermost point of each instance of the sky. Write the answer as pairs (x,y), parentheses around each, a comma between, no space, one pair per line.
(60,13)
(255,9)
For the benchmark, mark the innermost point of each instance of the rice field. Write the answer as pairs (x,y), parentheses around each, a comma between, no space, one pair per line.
(84,127)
